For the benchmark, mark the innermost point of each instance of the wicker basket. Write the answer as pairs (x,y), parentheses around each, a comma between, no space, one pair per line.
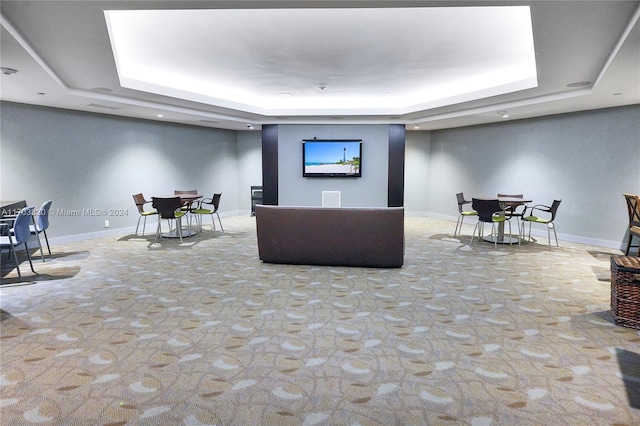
(625,291)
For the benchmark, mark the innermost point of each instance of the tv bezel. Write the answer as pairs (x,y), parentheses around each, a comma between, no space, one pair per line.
(345,175)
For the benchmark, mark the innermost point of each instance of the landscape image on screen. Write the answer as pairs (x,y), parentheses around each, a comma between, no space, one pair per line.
(332,158)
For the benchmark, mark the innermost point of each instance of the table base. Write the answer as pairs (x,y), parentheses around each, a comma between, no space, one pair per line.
(504,240)
(185,233)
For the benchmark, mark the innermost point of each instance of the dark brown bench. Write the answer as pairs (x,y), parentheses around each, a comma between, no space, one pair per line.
(366,237)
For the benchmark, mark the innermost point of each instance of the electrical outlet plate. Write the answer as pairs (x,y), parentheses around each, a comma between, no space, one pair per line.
(106,223)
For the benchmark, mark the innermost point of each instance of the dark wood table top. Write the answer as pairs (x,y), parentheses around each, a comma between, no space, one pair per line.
(182,196)
(11,207)
(510,200)
(514,200)
(185,199)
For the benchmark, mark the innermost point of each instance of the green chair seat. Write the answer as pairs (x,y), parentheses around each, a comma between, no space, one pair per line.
(140,202)
(169,209)
(489,211)
(463,213)
(551,211)
(536,219)
(200,211)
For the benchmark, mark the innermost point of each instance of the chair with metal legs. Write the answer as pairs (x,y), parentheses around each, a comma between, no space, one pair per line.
(633,208)
(188,208)
(200,211)
(18,235)
(463,213)
(489,211)
(140,202)
(169,209)
(41,224)
(511,209)
(547,219)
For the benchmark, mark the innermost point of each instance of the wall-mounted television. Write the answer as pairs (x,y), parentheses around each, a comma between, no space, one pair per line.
(332,158)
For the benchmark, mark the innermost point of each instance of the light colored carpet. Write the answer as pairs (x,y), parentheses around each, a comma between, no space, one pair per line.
(116,332)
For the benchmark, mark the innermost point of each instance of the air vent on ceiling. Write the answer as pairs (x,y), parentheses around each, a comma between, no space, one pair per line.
(102,89)
(102,106)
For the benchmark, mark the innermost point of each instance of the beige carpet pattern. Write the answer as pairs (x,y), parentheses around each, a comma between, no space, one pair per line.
(115,331)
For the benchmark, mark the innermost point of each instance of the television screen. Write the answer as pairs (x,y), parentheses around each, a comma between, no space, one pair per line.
(332,158)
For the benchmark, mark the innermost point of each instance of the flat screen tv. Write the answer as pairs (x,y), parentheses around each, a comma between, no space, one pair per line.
(332,158)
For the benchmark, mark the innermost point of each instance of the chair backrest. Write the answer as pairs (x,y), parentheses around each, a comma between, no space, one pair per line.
(486,208)
(461,201)
(215,201)
(554,209)
(21,225)
(166,207)
(633,208)
(140,202)
(42,217)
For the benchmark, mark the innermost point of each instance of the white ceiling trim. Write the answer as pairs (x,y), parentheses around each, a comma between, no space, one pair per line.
(64,60)
(632,23)
(6,23)
(505,106)
(105,97)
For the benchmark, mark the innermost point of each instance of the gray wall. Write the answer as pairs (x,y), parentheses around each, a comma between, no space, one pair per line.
(370,190)
(90,161)
(249,166)
(416,172)
(586,159)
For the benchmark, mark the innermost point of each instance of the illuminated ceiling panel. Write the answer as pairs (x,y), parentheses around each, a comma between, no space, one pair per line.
(326,61)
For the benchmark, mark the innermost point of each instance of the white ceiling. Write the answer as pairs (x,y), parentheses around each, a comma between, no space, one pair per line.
(223,64)
(170,52)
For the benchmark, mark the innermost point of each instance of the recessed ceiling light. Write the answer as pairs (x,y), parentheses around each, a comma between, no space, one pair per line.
(503,114)
(160,116)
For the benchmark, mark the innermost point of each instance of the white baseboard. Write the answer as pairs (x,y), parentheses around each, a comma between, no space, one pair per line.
(115,232)
(540,232)
(616,245)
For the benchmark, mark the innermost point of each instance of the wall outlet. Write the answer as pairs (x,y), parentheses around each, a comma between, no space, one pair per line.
(106,223)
